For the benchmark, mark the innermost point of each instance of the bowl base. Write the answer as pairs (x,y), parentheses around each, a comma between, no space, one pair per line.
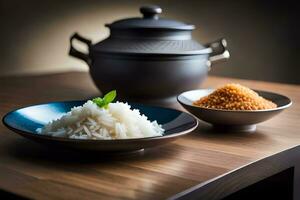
(235,128)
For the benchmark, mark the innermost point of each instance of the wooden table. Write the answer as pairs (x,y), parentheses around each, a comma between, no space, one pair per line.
(202,165)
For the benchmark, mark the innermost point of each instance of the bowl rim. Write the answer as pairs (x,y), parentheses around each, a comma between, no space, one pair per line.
(235,111)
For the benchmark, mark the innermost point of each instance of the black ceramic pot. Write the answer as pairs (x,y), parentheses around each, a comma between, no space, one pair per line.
(149,57)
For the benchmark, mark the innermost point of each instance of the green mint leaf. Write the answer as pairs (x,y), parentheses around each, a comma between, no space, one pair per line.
(108,98)
(98,101)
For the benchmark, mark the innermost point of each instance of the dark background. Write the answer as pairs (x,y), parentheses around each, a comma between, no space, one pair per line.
(263,36)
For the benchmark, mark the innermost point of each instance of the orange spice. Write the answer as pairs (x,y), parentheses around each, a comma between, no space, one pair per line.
(235,97)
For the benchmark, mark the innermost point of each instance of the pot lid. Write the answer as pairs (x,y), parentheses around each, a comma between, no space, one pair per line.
(150,47)
(150,20)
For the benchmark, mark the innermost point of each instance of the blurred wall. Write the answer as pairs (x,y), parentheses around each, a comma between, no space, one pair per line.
(263,36)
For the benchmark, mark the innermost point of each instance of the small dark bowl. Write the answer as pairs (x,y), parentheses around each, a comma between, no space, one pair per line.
(233,120)
(26,120)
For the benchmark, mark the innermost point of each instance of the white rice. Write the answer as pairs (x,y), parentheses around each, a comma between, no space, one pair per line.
(89,121)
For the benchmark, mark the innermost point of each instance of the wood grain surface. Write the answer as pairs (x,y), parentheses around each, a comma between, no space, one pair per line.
(34,171)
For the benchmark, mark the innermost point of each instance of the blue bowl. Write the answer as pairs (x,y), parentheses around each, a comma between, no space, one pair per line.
(25,121)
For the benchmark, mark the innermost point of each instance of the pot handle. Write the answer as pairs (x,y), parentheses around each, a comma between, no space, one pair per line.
(77,54)
(219,51)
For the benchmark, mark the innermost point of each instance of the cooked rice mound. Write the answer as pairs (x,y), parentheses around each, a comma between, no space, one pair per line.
(234,97)
(89,121)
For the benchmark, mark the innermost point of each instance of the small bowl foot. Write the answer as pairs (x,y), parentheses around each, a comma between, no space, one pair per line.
(235,128)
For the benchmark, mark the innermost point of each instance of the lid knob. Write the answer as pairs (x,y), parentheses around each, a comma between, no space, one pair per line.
(150,11)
